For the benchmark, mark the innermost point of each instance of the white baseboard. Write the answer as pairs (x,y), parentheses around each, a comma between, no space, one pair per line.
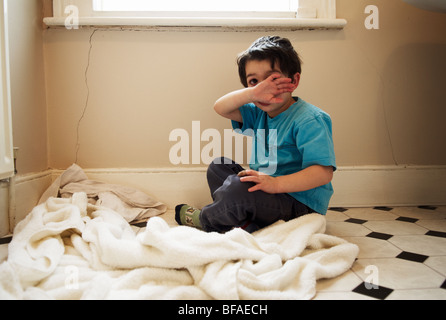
(389,186)
(354,186)
(27,191)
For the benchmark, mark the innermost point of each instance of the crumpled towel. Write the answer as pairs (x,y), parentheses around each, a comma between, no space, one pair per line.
(131,203)
(69,249)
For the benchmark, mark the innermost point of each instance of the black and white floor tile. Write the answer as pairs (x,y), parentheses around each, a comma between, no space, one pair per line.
(402,253)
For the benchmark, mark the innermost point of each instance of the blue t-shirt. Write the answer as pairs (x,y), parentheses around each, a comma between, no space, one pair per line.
(296,139)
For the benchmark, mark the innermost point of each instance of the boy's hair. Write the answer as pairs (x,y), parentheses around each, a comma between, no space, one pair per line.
(275,49)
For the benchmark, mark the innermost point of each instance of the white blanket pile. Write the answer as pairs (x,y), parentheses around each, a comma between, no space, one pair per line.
(69,249)
(131,203)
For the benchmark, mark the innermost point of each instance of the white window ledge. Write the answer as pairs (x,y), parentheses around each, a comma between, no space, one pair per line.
(242,24)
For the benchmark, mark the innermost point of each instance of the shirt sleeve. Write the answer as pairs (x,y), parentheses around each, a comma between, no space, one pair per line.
(315,142)
(249,115)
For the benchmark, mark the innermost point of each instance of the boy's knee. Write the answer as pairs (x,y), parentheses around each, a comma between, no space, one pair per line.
(222,160)
(234,188)
(215,165)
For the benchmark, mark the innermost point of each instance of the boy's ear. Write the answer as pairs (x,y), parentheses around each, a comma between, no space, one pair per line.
(296,79)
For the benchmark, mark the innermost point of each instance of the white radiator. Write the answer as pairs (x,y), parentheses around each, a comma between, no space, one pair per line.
(6,148)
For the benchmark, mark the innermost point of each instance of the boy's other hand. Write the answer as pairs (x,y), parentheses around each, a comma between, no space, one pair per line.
(268,91)
(262,181)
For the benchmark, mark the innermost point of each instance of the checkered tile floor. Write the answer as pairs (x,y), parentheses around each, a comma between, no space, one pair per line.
(402,253)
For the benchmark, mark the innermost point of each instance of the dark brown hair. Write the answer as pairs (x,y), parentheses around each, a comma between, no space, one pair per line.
(274,49)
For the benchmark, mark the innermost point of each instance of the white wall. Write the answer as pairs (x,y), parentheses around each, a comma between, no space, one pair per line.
(383,88)
(28,95)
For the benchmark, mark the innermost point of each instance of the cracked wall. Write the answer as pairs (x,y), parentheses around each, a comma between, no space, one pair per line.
(144,84)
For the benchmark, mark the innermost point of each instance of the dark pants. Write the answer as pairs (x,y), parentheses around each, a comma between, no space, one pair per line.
(235,206)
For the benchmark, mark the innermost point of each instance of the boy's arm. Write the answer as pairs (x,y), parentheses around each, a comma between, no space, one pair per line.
(229,105)
(266,92)
(307,179)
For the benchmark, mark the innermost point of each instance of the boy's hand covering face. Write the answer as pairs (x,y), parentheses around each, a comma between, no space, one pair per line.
(268,91)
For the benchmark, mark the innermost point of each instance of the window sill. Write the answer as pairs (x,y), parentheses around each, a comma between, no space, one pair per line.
(230,24)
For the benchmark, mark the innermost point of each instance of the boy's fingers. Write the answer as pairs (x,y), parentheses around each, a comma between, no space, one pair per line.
(248,172)
(253,179)
(253,189)
(242,173)
(283,80)
(287,86)
(278,79)
(275,76)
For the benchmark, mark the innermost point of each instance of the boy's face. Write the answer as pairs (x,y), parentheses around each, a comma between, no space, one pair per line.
(258,71)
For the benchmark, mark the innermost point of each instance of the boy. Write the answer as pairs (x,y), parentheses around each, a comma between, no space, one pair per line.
(293,157)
